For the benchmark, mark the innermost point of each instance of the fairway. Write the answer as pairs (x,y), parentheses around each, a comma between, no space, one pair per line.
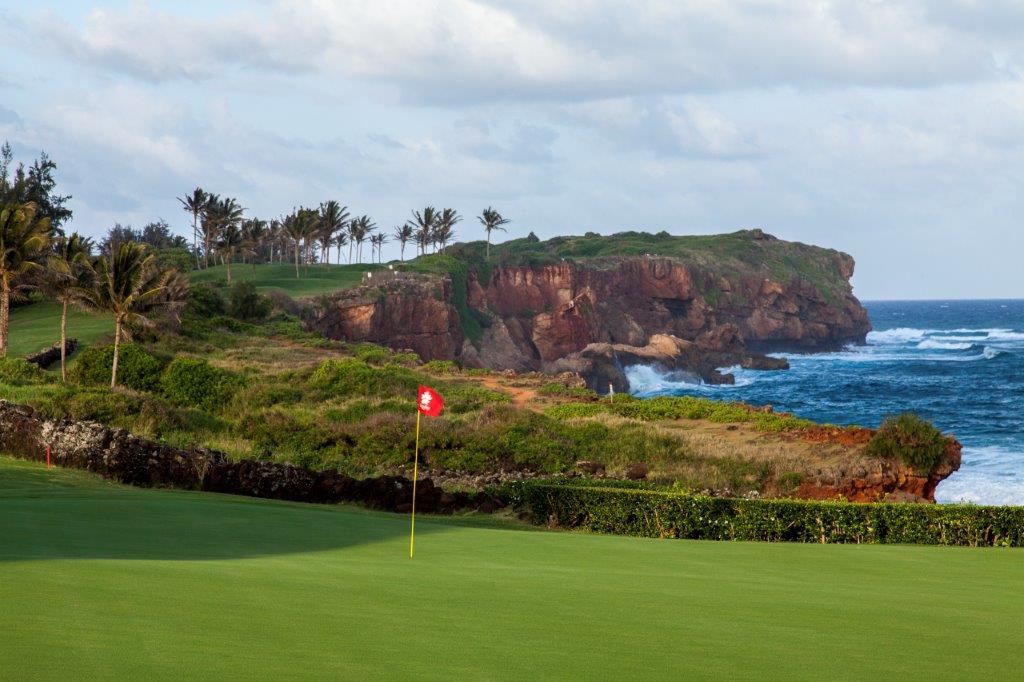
(313,280)
(109,581)
(36,326)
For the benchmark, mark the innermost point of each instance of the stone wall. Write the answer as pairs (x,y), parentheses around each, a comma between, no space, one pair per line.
(118,455)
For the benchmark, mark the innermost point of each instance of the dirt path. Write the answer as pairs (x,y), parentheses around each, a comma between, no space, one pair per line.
(521,397)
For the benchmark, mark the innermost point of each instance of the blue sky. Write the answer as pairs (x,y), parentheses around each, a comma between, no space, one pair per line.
(891,130)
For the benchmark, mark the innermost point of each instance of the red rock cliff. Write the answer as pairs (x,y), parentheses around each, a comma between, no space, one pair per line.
(533,315)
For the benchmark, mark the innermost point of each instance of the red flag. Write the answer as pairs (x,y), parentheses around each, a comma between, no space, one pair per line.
(430,402)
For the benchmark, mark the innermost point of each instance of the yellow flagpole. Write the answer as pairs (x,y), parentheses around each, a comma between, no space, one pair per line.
(415,473)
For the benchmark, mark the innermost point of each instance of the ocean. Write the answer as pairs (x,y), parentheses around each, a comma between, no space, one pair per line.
(959,364)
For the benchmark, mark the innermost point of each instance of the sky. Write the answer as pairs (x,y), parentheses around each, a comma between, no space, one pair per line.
(893,131)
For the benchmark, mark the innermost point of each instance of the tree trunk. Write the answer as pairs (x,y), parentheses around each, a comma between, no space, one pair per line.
(5,313)
(118,322)
(195,237)
(488,246)
(206,251)
(296,259)
(227,262)
(64,341)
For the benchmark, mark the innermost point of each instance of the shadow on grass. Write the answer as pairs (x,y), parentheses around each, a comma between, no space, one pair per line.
(64,514)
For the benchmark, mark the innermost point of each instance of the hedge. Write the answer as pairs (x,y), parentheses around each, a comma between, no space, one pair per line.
(660,514)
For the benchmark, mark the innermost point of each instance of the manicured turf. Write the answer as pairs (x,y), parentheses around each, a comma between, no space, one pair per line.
(314,280)
(37,326)
(99,580)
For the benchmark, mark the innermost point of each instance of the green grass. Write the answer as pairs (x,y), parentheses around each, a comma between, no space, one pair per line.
(313,281)
(36,326)
(113,582)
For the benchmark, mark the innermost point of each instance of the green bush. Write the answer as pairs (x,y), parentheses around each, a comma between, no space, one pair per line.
(195,383)
(372,354)
(20,372)
(441,367)
(562,390)
(649,513)
(350,377)
(574,410)
(136,369)
(910,439)
(245,303)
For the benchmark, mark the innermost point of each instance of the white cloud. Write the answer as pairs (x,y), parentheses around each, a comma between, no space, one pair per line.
(452,51)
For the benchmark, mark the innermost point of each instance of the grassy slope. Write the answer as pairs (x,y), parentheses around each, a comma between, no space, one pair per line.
(734,254)
(115,582)
(36,326)
(317,279)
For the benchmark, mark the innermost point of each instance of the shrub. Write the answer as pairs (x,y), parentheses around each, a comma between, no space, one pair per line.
(20,372)
(408,359)
(910,439)
(350,377)
(136,369)
(196,383)
(562,390)
(441,367)
(649,513)
(101,405)
(245,303)
(574,410)
(372,354)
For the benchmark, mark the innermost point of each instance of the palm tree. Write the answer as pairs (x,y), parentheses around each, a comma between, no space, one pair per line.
(219,213)
(424,223)
(402,235)
(195,204)
(492,220)
(23,237)
(68,278)
(299,226)
(231,240)
(444,231)
(340,240)
(128,284)
(377,242)
(362,229)
(332,219)
(255,234)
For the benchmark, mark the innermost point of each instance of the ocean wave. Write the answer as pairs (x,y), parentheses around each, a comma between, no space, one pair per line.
(897,335)
(905,335)
(935,344)
(648,381)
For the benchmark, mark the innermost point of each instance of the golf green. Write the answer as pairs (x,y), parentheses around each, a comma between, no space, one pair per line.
(99,580)
(36,326)
(313,280)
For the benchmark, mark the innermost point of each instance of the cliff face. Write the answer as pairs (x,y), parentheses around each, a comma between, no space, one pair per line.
(404,313)
(533,315)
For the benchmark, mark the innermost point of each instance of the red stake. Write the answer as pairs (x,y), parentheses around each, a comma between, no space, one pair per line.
(48,464)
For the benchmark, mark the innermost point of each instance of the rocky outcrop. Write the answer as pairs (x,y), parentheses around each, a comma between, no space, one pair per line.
(121,456)
(51,354)
(604,364)
(400,311)
(530,316)
(875,480)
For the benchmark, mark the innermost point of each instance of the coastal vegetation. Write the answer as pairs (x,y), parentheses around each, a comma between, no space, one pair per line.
(622,510)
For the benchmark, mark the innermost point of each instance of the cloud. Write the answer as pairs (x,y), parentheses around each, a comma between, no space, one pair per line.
(457,51)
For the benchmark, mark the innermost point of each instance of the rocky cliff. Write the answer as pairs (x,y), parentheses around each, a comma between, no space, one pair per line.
(534,304)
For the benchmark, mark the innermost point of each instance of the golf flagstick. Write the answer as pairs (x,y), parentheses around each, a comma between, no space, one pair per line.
(415,474)
(429,403)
